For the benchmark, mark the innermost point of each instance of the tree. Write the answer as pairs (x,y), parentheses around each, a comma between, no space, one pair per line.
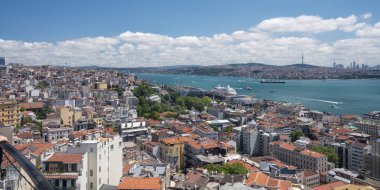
(332,156)
(227,168)
(42,85)
(234,168)
(295,135)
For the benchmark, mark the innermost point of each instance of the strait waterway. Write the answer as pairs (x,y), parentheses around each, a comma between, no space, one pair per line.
(334,96)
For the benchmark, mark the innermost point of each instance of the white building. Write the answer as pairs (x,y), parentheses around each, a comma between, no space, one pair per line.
(104,160)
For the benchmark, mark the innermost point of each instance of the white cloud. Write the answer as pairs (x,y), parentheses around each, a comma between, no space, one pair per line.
(366,15)
(369,31)
(305,23)
(259,44)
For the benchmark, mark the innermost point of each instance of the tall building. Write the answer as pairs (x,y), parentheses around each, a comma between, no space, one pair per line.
(255,142)
(9,112)
(2,61)
(104,160)
(375,159)
(357,153)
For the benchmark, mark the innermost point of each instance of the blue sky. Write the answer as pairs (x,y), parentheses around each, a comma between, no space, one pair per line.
(54,22)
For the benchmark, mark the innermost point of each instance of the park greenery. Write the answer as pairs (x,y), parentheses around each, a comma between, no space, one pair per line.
(171,102)
(332,156)
(227,168)
(295,135)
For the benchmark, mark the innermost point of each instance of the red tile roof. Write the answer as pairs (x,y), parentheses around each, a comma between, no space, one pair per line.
(260,179)
(140,183)
(33,105)
(329,186)
(35,148)
(65,158)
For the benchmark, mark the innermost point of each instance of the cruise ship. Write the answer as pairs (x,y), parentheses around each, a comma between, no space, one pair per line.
(224,91)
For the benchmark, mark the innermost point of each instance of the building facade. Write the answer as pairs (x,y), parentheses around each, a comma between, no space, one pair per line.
(299,157)
(9,112)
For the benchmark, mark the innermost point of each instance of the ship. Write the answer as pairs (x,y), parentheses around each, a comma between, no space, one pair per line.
(224,91)
(272,81)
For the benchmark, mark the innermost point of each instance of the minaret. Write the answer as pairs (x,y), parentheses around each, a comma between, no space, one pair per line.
(302,58)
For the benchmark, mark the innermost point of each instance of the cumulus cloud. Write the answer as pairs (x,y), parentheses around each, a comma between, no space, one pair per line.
(369,31)
(305,23)
(263,43)
(366,15)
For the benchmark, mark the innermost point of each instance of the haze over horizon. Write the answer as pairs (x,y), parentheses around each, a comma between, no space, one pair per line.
(162,33)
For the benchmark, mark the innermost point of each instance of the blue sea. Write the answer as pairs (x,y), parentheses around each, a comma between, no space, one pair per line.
(347,96)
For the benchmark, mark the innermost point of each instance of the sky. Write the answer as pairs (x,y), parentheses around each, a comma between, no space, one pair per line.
(126,33)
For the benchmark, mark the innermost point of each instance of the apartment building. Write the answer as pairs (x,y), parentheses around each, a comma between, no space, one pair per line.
(299,157)
(206,131)
(55,134)
(357,153)
(172,150)
(9,112)
(66,171)
(206,151)
(104,160)
(69,115)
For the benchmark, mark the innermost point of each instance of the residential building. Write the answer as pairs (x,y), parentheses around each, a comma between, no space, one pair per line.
(311,178)
(206,131)
(172,150)
(66,171)
(55,134)
(84,124)
(104,160)
(299,157)
(357,153)
(368,127)
(69,115)
(206,151)
(9,112)
(132,129)
(375,159)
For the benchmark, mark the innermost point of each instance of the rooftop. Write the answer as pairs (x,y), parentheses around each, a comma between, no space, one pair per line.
(65,158)
(140,183)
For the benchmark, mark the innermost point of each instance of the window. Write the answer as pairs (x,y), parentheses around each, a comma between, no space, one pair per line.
(91,150)
(100,168)
(91,172)
(100,181)
(91,185)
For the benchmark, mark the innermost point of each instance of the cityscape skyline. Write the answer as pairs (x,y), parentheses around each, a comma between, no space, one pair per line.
(139,34)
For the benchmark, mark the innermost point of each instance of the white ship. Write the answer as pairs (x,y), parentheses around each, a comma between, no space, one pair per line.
(224,91)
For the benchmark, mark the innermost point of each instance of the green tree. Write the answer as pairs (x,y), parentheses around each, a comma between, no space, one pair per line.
(332,156)
(234,168)
(295,135)
(227,168)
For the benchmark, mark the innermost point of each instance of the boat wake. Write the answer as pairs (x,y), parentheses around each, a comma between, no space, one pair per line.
(325,101)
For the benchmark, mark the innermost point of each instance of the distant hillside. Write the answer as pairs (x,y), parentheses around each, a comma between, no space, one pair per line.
(299,65)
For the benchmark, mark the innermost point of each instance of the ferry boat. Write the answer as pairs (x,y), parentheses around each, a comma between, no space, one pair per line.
(225,91)
(272,81)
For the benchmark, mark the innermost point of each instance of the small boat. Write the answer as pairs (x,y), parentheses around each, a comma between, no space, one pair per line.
(333,106)
(272,81)
(272,91)
(248,88)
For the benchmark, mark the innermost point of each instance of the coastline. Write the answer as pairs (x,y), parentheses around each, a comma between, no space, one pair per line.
(359,96)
